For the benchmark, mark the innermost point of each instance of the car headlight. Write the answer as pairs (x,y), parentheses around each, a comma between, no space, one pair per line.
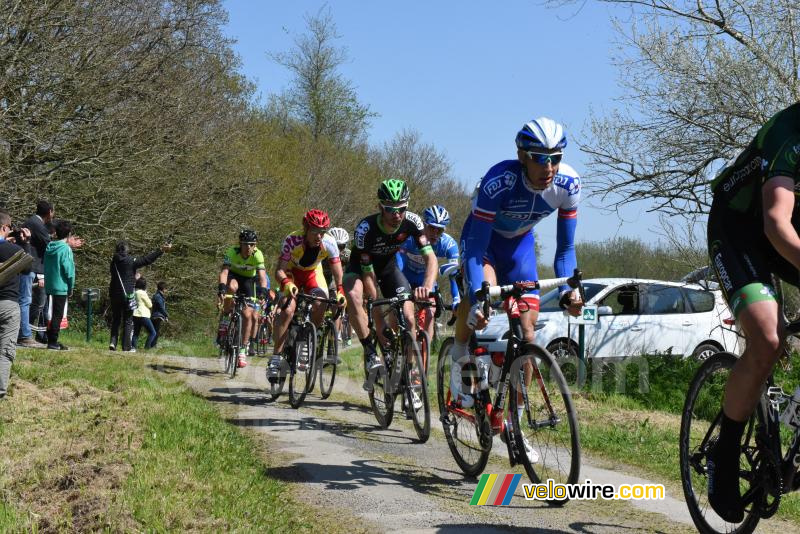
(506,335)
(539,325)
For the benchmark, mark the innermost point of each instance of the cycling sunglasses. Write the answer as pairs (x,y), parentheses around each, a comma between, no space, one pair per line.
(543,159)
(394,209)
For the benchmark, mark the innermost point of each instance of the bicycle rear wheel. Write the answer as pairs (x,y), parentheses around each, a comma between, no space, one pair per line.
(302,366)
(380,398)
(261,339)
(546,430)
(329,355)
(416,390)
(461,426)
(699,432)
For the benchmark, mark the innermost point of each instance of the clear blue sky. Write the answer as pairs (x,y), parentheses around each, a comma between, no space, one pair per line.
(466,75)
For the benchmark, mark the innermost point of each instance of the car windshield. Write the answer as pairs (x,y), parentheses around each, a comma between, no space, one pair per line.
(549,302)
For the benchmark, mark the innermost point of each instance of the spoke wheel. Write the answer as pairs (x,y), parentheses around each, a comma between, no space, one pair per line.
(699,431)
(416,391)
(546,432)
(381,401)
(302,364)
(461,428)
(234,342)
(424,342)
(329,354)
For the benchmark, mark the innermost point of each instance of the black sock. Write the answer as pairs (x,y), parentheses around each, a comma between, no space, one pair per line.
(730,436)
(367,344)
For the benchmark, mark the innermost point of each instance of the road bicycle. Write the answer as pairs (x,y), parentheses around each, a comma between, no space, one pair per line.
(404,374)
(232,340)
(540,425)
(300,346)
(770,447)
(264,332)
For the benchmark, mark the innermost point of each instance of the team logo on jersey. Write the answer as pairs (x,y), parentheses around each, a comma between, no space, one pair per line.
(791,155)
(494,186)
(402,236)
(361,233)
(416,219)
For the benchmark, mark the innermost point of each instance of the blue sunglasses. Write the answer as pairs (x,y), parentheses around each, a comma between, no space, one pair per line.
(544,159)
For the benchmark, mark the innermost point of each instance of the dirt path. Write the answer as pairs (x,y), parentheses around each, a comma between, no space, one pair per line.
(338,458)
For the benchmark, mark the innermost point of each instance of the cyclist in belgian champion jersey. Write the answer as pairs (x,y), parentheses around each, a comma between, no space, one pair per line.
(752,235)
(497,241)
(300,268)
(373,264)
(412,263)
(243,272)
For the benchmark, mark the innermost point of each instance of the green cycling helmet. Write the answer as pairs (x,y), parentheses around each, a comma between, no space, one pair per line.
(393,190)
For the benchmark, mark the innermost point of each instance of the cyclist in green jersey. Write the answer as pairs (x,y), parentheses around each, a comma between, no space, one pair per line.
(752,235)
(243,272)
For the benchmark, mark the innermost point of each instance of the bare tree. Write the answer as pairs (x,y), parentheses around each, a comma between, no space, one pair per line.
(699,78)
(319,97)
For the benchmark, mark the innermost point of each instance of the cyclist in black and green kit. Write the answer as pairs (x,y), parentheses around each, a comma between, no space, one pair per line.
(243,271)
(372,264)
(752,235)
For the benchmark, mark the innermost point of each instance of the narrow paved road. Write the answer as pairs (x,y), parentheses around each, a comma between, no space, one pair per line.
(338,458)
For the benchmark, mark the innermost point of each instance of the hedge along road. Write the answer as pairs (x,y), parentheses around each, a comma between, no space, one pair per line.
(381,479)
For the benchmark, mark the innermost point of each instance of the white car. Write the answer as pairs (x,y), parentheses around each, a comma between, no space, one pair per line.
(635,317)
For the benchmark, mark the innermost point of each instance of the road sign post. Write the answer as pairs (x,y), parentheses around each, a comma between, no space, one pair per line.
(89,295)
(588,316)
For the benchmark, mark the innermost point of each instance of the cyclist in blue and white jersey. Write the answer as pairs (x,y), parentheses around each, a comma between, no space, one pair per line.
(497,242)
(412,262)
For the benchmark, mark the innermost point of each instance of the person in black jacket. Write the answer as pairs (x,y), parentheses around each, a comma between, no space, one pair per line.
(9,306)
(123,273)
(32,296)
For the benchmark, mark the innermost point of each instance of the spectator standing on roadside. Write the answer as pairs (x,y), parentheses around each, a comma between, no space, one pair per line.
(59,276)
(141,316)
(9,305)
(32,295)
(159,312)
(123,270)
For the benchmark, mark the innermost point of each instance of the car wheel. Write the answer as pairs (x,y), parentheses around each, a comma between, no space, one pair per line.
(562,350)
(704,350)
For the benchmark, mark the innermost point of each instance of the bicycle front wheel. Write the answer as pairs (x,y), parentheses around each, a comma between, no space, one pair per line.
(424,342)
(461,426)
(416,390)
(380,398)
(543,418)
(327,362)
(702,413)
(234,342)
(302,366)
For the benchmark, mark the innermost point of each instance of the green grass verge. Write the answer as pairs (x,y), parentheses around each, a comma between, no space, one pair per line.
(93,440)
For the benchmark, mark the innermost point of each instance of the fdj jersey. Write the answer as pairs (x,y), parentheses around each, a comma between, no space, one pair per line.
(505,208)
(244,267)
(740,252)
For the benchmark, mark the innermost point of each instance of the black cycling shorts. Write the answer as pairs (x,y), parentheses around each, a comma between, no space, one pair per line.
(247,284)
(391,280)
(743,258)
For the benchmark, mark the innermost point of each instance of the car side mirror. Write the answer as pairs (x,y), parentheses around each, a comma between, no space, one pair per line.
(605,310)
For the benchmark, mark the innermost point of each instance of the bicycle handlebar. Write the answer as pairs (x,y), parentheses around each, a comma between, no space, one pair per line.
(487,292)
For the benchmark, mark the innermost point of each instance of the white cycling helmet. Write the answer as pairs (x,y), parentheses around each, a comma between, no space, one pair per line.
(340,235)
(541,133)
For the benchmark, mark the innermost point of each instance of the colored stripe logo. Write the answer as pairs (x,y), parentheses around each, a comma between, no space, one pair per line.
(495,490)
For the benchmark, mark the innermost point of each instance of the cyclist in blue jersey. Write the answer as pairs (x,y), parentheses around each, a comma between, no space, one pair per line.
(497,243)
(412,262)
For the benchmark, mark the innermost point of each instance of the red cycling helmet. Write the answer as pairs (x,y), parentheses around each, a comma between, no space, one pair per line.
(317,219)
